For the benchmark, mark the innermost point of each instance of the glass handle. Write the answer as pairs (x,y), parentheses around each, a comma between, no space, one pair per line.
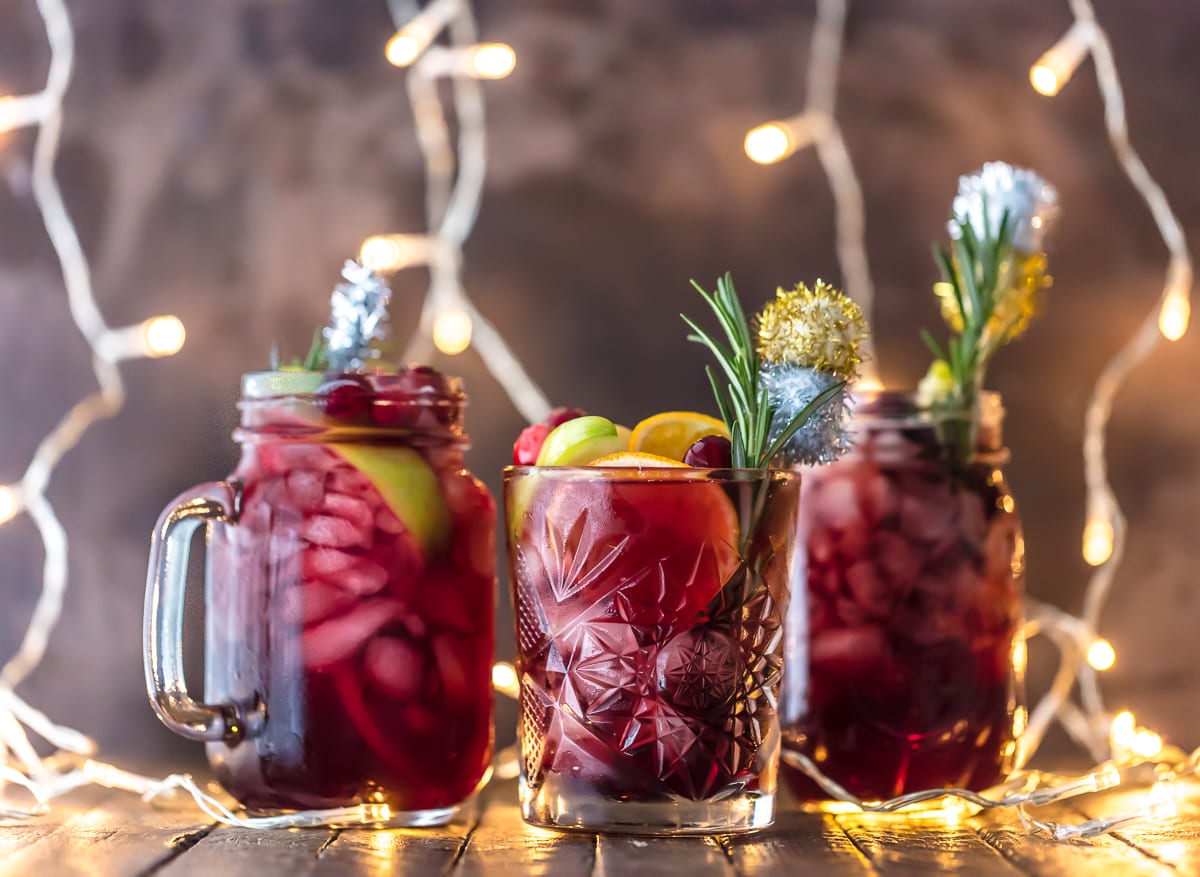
(162,634)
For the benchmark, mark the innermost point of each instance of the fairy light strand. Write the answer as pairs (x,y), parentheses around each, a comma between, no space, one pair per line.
(455,171)
(20,764)
(817,126)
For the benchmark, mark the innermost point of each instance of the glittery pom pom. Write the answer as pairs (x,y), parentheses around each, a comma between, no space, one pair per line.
(358,311)
(1031,203)
(824,437)
(818,328)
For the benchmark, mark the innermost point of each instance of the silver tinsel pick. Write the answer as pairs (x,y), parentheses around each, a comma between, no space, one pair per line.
(358,312)
(824,438)
(1031,202)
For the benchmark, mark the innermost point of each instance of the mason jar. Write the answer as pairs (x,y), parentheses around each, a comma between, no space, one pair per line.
(350,600)
(904,652)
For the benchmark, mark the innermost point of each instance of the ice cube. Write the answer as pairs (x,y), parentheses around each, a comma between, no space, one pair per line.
(836,503)
(873,593)
(339,638)
(352,508)
(335,532)
(898,559)
(312,601)
(327,562)
(877,494)
(364,577)
(927,509)
(386,520)
(347,480)
(305,489)
(279,458)
(452,655)
(850,651)
(396,666)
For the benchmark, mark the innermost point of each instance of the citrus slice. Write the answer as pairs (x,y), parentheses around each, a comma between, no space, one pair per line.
(671,433)
(639,460)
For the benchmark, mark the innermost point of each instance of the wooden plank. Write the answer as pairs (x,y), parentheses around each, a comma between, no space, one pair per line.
(1038,854)
(619,856)
(408,851)
(1174,842)
(799,843)
(503,845)
(121,837)
(243,852)
(899,846)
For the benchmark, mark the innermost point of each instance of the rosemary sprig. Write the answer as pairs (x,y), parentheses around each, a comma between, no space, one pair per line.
(741,397)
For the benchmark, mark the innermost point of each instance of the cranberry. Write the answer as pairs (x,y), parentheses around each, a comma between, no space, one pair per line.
(529,444)
(710,452)
(345,397)
(559,416)
(419,380)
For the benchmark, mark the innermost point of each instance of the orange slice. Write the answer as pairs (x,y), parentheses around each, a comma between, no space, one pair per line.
(638,460)
(671,433)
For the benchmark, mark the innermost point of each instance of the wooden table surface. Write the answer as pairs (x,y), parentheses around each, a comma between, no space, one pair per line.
(101,833)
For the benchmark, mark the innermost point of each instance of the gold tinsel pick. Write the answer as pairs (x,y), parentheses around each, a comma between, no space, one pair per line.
(818,328)
(1017,303)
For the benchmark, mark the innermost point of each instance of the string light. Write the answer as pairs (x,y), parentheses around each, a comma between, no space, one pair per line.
(818,126)
(1097,541)
(386,253)
(454,176)
(505,680)
(160,336)
(452,331)
(1053,70)
(1175,314)
(1101,655)
(415,36)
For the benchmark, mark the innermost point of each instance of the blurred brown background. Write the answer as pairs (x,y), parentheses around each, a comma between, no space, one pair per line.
(223,158)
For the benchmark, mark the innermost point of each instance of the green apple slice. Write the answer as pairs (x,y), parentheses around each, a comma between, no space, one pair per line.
(577,442)
(409,486)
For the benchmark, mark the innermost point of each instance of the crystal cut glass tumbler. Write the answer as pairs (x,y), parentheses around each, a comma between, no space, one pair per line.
(649,607)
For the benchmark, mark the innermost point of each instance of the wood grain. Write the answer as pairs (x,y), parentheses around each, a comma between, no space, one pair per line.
(97,834)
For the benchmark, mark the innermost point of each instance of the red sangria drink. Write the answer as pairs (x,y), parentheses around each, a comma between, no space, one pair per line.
(350,598)
(649,597)
(904,651)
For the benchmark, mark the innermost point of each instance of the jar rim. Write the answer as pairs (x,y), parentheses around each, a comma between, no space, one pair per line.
(274,385)
(905,406)
(657,474)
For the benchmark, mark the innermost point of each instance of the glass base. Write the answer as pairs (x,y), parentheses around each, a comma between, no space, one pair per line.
(572,806)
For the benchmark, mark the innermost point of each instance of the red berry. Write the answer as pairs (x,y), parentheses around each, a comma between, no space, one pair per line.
(529,444)
(345,397)
(710,452)
(559,416)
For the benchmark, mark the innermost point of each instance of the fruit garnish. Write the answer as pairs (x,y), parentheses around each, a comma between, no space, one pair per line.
(625,434)
(710,452)
(345,397)
(409,486)
(637,460)
(671,433)
(529,444)
(559,416)
(742,400)
(579,441)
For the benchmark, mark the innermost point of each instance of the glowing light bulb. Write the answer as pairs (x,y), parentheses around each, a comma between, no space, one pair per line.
(1109,778)
(1174,317)
(1097,541)
(1054,69)
(1101,655)
(375,813)
(452,331)
(404,48)
(1146,743)
(1044,79)
(163,336)
(770,143)
(1121,731)
(8,504)
(869,385)
(504,678)
(492,60)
